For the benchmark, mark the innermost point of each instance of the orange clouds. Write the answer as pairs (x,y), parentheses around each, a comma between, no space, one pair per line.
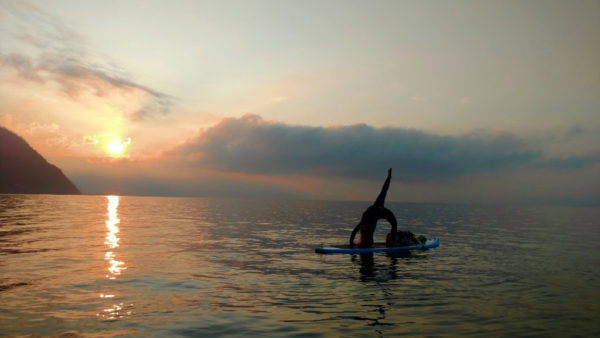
(57,92)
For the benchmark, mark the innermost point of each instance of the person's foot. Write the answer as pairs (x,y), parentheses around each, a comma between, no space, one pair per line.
(390,173)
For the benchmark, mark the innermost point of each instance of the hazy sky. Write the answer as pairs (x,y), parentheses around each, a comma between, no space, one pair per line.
(469,101)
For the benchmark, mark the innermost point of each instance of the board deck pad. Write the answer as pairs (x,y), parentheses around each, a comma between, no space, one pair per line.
(377,247)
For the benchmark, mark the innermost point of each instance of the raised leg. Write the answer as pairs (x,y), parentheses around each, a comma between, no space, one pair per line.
(381,198)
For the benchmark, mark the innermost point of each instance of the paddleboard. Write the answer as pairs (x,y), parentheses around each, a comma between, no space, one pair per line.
(345,249)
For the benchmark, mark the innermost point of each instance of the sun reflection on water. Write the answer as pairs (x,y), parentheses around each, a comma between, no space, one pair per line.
(111,238)
(115,266)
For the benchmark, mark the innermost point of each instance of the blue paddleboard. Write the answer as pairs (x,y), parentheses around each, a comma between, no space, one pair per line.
(430,244)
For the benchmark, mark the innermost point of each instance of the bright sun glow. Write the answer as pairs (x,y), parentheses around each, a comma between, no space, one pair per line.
(115,148)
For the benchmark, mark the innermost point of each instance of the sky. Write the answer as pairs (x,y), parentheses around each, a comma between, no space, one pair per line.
(468,101)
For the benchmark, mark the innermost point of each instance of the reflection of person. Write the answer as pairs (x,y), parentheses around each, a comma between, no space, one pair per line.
(369,270)
(369,218)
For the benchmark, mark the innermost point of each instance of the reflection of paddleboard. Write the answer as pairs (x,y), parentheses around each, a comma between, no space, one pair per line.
(345,249)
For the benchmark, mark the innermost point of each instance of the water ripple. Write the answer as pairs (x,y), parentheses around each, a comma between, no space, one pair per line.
(107,266)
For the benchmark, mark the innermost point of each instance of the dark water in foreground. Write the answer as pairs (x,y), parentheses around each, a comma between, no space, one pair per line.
(101,266)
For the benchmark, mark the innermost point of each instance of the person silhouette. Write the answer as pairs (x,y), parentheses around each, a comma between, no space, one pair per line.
(369,218)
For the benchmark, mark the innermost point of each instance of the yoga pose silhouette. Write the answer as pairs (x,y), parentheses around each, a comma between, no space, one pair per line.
(369,219)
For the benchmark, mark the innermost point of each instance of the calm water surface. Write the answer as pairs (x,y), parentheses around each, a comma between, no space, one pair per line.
(103,266)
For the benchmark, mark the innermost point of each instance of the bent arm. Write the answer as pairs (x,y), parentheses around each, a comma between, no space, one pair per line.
(356,228)
(388,215)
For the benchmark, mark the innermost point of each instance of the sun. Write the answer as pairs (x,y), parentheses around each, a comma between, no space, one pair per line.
(115,148)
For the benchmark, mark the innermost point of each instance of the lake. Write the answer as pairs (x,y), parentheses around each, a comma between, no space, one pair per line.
(150,266)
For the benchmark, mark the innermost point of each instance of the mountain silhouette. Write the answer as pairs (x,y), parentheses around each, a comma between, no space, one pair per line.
(24,171)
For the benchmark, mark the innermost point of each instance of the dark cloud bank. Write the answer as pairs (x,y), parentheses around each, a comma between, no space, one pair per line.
(349,162)
(252,145)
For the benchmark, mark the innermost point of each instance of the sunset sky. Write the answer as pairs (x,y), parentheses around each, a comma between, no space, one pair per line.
(468,101)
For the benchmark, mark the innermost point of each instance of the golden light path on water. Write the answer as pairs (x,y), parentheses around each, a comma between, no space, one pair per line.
(111,238)
(114,266)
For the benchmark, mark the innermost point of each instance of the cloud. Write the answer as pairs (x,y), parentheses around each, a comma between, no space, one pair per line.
(575,131)
(252,145)
(23,65)
(90,140)
(56,53)
(253,158)
(207,187)
(156,178)
(570,162)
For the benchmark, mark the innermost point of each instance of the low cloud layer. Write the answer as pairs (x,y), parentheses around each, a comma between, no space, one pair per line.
(252,145)
(254,158)
(571,162)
